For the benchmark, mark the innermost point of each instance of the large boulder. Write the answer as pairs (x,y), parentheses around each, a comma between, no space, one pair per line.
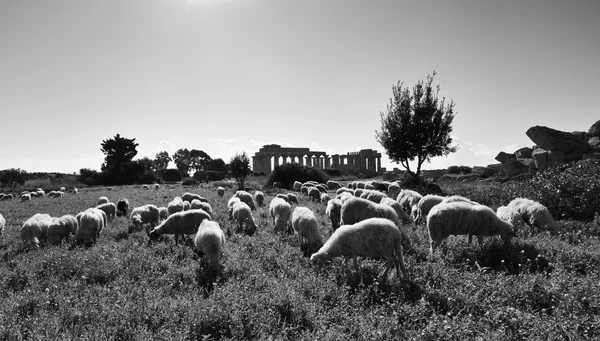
(594,130)
(594,142)
(523,153)
(502,157)
(570,146)
(548,158)
(514,167)
(483,172)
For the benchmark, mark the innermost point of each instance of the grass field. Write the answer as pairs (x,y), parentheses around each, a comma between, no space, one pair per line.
(541,287)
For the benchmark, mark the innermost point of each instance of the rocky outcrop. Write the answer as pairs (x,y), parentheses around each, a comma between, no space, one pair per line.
(503,157)
(564,146)
(594,130)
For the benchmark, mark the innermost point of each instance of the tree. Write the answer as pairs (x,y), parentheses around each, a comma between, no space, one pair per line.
(218,165)
(182,160)
(240,168)
(146,163)
(416,126)
(199,160)
(161,161)
(119,152)
(13,177)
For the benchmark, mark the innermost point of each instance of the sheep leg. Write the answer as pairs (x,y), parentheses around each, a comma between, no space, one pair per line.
(355,263)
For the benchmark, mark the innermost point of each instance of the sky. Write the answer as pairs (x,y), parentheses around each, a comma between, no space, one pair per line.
(227,76)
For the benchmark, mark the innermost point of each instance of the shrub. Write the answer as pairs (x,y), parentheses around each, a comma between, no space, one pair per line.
(332,172)
(189,182)
(288,173)
(147,178)
(171,175)
(209,175)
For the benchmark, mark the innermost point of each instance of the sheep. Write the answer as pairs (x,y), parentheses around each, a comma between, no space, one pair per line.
(230,204)
(373,196)
(220,191)
(26,197)
(2,225)
(333,185)
(457,198)
(146,187)
(40,192)
(55,194)
(297,186)
(304,189)
(344,196)
(360,184)
(101,215)
(122,207)
(191,196)
(402,215)
(314,194)
(187,205)
(175,205)
(325,198)
(333,211)
(102,200)
(369,187)
(322,188)
(460,218)
(8,197)
(510,215)
(163,213)
(210,241)
(535,214)
(156,187)
(380,185)
(35,229)
(393,190)
(281,213)
(373,237)
(259,197)
(197,204)
(90,225)
(184,222)
(306,226)
(408,198)
(62,228)
(109,208)
(62,189)
(358,192)
(422,208)
(243,214)
(75,190)
(147,214)
(247,198)
(343,189)
(284,197)
(292,198)
(358,209)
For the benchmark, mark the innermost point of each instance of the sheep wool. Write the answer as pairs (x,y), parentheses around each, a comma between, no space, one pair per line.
(306,226)
(26,197)
(184,222)
(535,214)
(61,228)
(147,214)
(281,213)
(197,204)
(90,225)
(191,196)
(297,186)
(247,198)
(314,194)
(210,242)
(325,198)
(163,213)
(102,200)
(122,207)
(175,205)
(512,216)
(243,214)
(109,208)
(259,197)
(292,198)
(220,191)
(2,225)
(333,211)
(425,205)
(35,229)
(408,198)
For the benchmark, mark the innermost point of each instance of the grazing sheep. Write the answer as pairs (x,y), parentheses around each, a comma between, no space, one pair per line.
(197,204)
(306,226)
(402,215)
(325,198)
(62,189)
(304,189)
(230,204)
(344,190)
(460,218)
(292,198)
(55,194)
(8,197)
(35,229)
(408,198)
(535,214)
(333,211)
(259,197)
(344,196)
(374,196)
(102,200)
(422,208)
(146,187)
(163,213)
(187,205)
(210,241)
(458,198)
(373,237)
(297,186)
(284,197)
(369,187)
(191,196)
(314,194)
(90,225)
(333,185)
(156,186)
(360,184)
(26,197)
(358,192)
(109,208)
(101,214)
(243,214)
(122,207)
(512,216)
(2,225)
(393,190)
(175,205)
(75,190)
(310,184)
(281,213)
(220,191)
(184,222)
(62,228)
(322,188)
(247,198)
(147,214)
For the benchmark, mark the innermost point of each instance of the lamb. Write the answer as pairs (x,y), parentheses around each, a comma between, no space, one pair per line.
(306,226)
(102,200)
(460,218)
(2,225)
(408,198)
(147,214)
(210,241)
(510,215)
(122,207)
(62,228)
(402,215)
(243,214)
(373,237)
(220,191)
(333,211)
(314,194)
(90,225)
(259,197)
(535,214)
(247,198)
(175,205)
(292,198)
(163,213)
(422,208)
(35,229)
(197,204)
(297,186)
(284,197)
(281,213)
(191,196)
(26,197)
(109,208)
(325,198)
(184,222)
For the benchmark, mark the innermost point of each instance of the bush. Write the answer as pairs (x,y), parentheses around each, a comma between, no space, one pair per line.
(288,173)
(332,172)
(459,170)
(172,175)
(189,182)
(209,175)
(147,178)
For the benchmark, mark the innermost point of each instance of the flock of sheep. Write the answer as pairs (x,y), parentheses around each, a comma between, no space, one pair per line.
(368,219)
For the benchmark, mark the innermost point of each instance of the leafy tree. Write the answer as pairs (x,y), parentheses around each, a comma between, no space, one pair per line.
(146,163)
(171,175)
(199,160)
(182,160)
(240,168)
(119,151)
(161,161)
(416,126)
(13,177)
(218,165)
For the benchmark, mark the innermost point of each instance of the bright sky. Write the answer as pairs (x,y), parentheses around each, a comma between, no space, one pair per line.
(232,75)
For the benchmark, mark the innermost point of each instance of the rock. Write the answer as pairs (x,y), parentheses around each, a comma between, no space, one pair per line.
(524,153)
(594,130)
(513,167)
(502,157)
(583,135)
(568,145)
(495,167)
(594,142)
(547,158)
(589,156)
(483,172)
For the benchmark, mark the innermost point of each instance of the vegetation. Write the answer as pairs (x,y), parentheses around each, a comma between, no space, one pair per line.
(459,170)
(161,161)
(416,126)
(287,173)
(13,177)
(172,175)
(240,168)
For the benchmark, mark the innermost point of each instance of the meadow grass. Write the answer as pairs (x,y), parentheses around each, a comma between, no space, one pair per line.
(540,287)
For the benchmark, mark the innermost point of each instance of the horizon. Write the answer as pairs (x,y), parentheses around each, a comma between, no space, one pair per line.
(226,76)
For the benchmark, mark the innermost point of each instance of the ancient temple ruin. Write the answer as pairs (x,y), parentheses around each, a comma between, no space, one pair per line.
(273,155)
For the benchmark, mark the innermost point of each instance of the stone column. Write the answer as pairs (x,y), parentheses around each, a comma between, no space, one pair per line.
(378,164)
(276,163)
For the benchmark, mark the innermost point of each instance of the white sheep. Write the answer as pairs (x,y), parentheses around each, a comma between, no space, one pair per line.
(122,207)
(297,186)
(343,190)
(284,197)
(402,215)
(373,238)
(259,197)
(35,229)
(197,204)
(425,204)
(220,191)
(393,190)
(333,185)
(109,208)
(458,198)
(62,228)
(101,215)
(210,241)
(333,211)
(304,189)
(191,196)
(102,200)
(325,198)
(184,222)
(187,205)
(25,197)
(358,192)
(247,198)
(374,196)
(408,198)
(163,213)
(62,189)
(75,190)
(2,225)
(243,214)
(292,198)
(461,218)
(55,194)
(90,225)
(175,205)
(156,187)
(146,187)
(8,197)
(314,194)
(281,213)
(230,204)
(146,214)
(306,226)
(512,216)
(535,214)
(344,196)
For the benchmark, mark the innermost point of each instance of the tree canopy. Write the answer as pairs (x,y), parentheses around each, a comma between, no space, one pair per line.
(191,160)
(240,168)
(118,167)
(161,161)
(13,177)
